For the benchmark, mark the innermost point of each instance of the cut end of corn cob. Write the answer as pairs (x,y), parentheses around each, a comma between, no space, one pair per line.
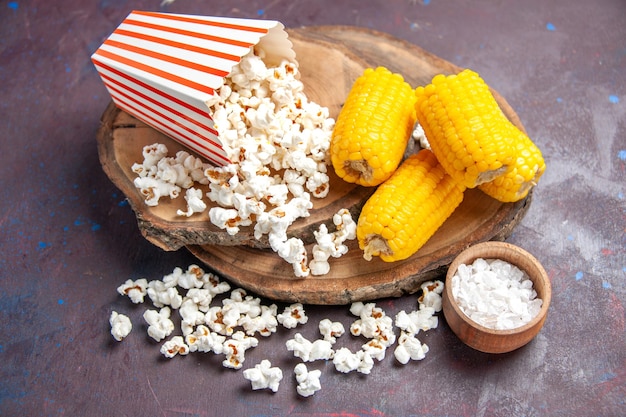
(465,127)
(521,176)
(361,171)
(373,127)
(407,209)
(376,245)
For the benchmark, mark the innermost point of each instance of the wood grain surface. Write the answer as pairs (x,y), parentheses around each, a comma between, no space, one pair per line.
(330,59)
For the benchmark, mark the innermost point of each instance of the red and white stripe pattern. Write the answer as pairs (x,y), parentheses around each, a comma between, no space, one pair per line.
(162,68)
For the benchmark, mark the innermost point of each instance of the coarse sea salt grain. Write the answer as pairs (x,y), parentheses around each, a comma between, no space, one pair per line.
(495,294)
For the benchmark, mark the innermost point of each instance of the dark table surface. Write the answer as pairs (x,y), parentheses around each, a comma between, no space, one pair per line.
(69,238)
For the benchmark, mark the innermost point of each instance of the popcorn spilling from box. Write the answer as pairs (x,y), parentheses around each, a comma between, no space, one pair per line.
(229,90)
(163,69)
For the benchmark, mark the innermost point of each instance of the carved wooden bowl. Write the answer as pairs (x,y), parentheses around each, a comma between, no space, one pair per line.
(483,338)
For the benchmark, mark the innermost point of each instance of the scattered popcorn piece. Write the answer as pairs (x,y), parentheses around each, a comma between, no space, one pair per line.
(409,348)
(222,184)
(419,135)
(135,290)
(321,350)
(345,224)
(193,196)
(152,154)
(264,376)
(331,330)
(215,286)
(161,294)
(243,303)
(300,346)
(310,351)
(220,322)
(431,295)
(366,362)
(324,248)
(295,181)
(433,286)
(235,311)
(169,280)
(318,184)
(152,189)
(120,325)
(308,381)
(227,218)
(423,319)
(373,323)
(235,349)
(332,244)
(191,316)
(277,194)
(375,349)
(319,265)
(192,278)
(204,340)
(359,308)
(160,175)
(202,297)
(159,324)
(194,166)
(292,315)
(175,346)
(265,323)
(293,251)
(345,361)
(276,222)
(170,171)
(248,207)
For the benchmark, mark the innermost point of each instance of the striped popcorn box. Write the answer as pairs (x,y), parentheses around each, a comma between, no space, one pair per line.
(162,68)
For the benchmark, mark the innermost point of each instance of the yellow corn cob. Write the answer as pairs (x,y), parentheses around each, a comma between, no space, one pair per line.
(465,127)
(373,127)
(521,176)
(407,209)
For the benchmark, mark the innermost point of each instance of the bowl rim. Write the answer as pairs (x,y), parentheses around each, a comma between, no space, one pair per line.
(510,248)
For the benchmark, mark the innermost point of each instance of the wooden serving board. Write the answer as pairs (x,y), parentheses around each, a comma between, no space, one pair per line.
(330,59)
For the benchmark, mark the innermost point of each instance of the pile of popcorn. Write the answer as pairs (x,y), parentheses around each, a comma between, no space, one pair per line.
(278,143)
(237,323)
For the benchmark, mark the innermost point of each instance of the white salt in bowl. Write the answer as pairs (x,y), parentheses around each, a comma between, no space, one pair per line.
(483,338)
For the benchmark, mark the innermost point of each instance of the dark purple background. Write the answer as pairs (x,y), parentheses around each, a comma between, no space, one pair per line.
(69,238)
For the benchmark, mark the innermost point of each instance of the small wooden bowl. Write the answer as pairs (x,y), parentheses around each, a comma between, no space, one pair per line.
(483,338)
